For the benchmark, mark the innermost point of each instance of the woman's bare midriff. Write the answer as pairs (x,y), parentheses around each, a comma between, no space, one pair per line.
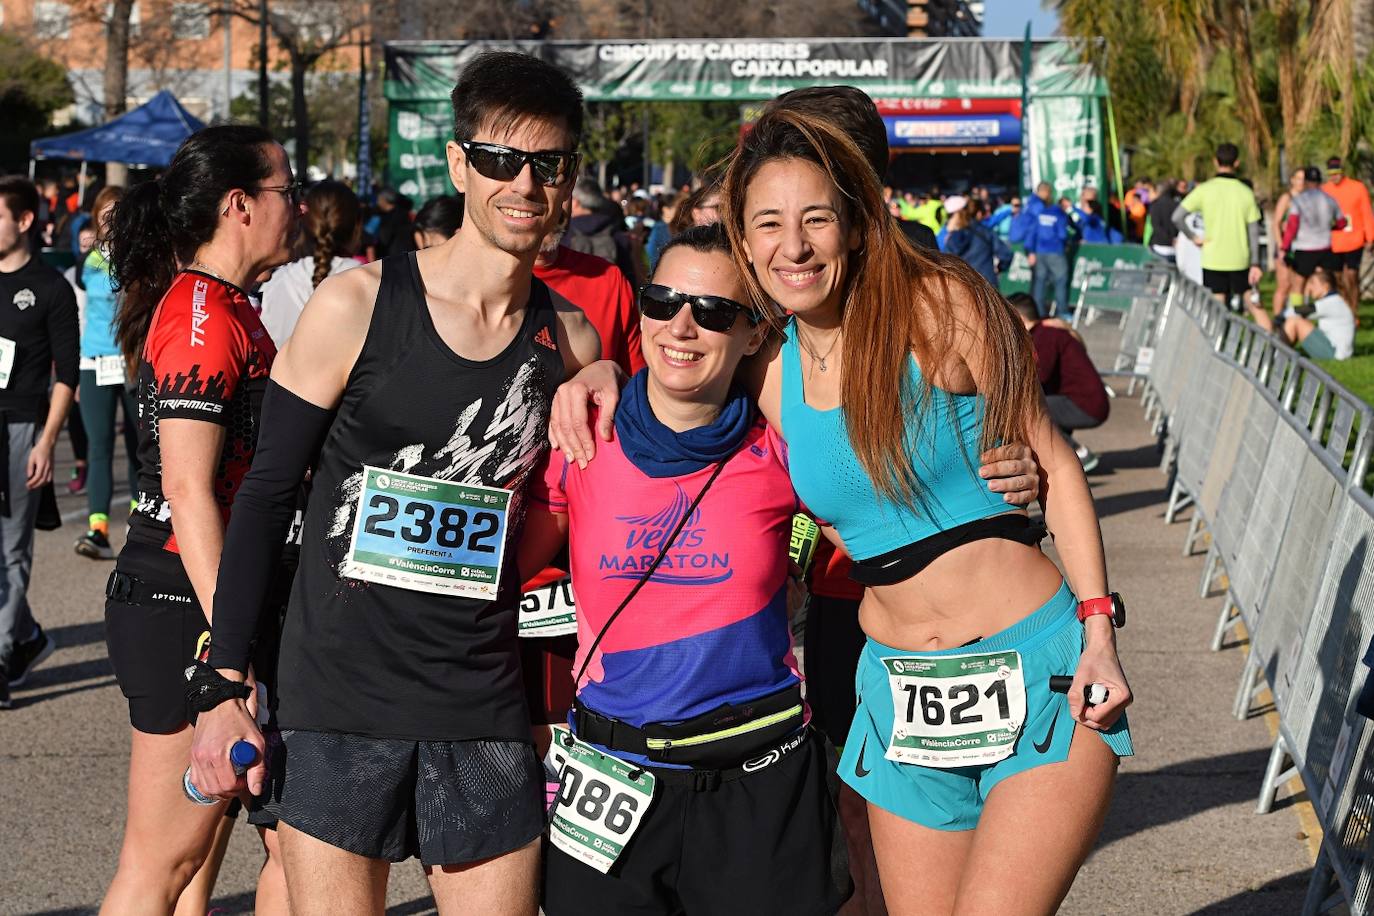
(971,592)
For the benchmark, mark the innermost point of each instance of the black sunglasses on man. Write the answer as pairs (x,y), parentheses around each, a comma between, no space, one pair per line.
(552,168)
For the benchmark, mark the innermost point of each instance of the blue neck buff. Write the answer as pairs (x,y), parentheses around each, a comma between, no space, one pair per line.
(659,451)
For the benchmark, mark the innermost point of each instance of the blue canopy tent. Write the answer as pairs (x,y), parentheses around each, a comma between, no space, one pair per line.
(148,135)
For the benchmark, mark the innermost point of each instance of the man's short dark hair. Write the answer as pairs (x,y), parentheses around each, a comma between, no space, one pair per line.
(20,195)
(850,109)
(1024,303)
(506,87)
(1228,154)
(1312,175)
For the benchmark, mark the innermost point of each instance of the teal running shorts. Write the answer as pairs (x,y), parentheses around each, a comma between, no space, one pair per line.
(1049,641)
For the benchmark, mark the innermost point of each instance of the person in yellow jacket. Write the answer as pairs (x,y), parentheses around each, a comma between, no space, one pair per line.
(930,211)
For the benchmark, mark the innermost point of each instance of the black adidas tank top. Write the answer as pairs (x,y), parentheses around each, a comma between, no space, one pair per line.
(364,657)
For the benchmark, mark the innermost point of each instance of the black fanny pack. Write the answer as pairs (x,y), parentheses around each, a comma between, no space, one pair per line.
(721,738)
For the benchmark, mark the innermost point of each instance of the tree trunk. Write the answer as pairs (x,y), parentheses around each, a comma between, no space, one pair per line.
(1258,139)
(116,87)
(1286,18)
(300,112)
(601,166)
(1362,21)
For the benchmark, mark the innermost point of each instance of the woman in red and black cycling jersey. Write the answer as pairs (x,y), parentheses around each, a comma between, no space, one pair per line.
(183,248)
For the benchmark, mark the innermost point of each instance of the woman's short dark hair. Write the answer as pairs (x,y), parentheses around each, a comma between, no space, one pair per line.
(442,214)
(158,225)
(507,87)
(710,239)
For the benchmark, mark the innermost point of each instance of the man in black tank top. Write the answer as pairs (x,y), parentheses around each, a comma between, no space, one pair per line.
(418,389)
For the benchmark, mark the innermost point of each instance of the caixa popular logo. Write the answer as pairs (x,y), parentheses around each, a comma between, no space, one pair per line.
(689,560)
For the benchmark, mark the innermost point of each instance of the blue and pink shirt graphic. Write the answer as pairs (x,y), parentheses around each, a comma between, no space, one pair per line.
(710,626)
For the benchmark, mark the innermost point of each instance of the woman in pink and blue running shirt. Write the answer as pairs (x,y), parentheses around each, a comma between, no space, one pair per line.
(986,788)
(694,681)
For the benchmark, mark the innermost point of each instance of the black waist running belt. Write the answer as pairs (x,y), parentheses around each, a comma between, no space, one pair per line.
(721,738)
(905,562)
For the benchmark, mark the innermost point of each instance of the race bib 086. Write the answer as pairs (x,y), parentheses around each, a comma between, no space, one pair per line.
(955,710)
(428,535)
(600,804)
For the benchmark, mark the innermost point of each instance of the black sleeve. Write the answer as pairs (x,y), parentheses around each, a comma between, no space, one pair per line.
(292,430)
(64,333)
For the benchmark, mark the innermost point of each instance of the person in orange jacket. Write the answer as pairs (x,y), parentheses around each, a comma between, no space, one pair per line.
(1349,244)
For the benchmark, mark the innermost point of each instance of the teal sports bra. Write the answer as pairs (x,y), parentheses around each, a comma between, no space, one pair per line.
(835,487)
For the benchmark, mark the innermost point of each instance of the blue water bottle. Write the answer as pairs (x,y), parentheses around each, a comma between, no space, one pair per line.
(241,756)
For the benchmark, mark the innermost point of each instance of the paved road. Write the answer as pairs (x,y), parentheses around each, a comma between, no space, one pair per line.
(1181,837)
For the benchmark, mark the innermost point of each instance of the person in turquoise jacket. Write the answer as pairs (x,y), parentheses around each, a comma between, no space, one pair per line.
(103,389)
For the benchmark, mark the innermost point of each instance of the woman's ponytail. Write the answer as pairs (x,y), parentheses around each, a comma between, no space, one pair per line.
(143,262)
(158,226)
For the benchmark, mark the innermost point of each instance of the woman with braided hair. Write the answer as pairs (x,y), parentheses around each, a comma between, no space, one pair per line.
(332,231)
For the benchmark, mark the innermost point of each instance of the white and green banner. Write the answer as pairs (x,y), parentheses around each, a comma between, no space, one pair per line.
(1061,85)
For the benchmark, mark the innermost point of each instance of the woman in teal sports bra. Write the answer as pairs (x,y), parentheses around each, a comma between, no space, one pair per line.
(976,774)
(986,789)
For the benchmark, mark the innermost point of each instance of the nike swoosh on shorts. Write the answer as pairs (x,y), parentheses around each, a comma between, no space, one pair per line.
(1043,746)
(859,770)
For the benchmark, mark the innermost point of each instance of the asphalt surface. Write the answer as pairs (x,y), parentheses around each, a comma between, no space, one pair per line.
(1181,836)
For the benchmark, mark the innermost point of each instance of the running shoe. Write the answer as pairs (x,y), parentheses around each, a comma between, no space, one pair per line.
(96,545)
(27,656)
(1087,456)
(77,484)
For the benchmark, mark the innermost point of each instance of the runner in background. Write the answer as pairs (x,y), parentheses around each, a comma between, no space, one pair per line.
(1230,219)
(332,234)
(1043,228)
(1357,237)
(1162,228)
(1286,282)
(38,339)
(183,248)
(85,241)
(1074,392)
(438,220)
(104,389)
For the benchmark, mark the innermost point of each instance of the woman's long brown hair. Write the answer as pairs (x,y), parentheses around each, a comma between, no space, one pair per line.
(894,305)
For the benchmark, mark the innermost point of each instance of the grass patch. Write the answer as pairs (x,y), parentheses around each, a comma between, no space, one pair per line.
(1356,373)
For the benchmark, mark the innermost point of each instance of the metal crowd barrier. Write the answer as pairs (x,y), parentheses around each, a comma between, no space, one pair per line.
(1273,456)
(1140,296)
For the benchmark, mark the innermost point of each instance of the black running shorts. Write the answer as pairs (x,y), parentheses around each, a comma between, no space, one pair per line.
(152,641)
(833,642)
(1348,260)
(1305,263)
(1226,282)
(447,802)
(761,843)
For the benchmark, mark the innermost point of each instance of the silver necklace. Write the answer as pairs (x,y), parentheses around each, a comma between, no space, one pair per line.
(819,359)
(207,269)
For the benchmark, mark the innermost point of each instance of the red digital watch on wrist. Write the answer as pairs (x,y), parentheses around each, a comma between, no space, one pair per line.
(1109,606)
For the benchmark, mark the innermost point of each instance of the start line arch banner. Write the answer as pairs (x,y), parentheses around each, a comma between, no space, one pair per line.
(1064,119)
